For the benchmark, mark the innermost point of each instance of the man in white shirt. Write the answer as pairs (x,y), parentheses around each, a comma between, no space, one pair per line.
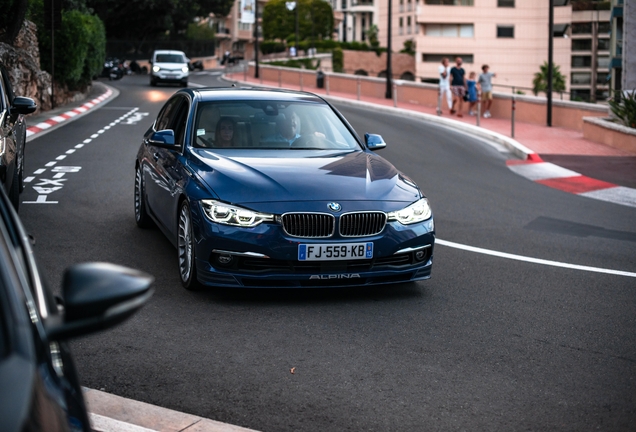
(444,84)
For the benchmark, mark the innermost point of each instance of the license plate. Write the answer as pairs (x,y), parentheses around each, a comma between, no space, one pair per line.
(332,252)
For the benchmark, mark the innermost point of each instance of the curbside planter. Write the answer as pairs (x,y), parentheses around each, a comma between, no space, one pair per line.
(604,131)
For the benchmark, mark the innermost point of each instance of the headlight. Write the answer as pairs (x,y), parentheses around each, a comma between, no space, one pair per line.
(184,69)
(417,212)
(156,68)
(232,215)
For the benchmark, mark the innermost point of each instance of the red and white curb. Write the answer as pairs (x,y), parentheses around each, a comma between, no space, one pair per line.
(40,127)
(554,176)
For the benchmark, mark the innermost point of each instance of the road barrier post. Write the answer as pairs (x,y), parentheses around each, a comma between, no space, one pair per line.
(512,116)
(478,106)
(358,87)
(279,79)
(246,65)
(327,84)
(439,102)
(395,94)
(301,80)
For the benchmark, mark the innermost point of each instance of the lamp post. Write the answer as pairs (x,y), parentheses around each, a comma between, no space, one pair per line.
(389,73)
(550,53)
(291,6)
(256,75)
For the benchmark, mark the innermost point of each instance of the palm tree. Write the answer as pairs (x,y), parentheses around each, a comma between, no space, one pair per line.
(540,81)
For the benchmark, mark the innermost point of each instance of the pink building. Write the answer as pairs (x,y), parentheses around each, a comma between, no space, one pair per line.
(511,36)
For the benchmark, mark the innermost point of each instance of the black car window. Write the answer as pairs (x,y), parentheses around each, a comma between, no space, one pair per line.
(266,125)
(166,116)
(180,120)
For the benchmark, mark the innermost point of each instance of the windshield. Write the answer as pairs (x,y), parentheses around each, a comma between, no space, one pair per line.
(169,58)
(270,125)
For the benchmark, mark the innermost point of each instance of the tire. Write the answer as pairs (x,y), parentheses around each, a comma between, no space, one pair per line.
(185,249)
(184,84)
(141,213)
(14,192)
(153,83)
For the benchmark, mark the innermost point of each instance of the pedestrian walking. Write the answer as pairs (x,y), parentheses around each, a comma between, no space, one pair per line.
(444,84)
(458,86)
(471,93)
(485,84)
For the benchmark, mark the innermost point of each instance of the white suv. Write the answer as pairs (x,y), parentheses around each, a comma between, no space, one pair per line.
(169,66)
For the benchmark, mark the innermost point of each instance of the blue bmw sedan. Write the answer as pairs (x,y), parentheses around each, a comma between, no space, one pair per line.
(270,188)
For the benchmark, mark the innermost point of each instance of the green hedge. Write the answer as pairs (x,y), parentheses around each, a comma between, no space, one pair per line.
(80,46)
(337,60)
(268,47)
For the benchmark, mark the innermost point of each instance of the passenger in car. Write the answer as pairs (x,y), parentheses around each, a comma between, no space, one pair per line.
(224,135)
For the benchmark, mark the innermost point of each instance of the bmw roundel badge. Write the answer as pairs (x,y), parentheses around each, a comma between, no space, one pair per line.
(334,206)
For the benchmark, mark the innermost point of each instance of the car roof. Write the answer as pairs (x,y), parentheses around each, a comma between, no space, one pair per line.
(168,52)
(232,93)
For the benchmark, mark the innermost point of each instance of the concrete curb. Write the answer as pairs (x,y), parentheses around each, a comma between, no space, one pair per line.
(53,122)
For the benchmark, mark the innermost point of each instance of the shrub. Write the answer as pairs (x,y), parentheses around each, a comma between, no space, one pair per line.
(268,47)
(624,108)
(337,59)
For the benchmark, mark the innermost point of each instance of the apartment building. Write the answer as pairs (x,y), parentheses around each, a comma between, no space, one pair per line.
(352,18)
(509,35)
(235,32)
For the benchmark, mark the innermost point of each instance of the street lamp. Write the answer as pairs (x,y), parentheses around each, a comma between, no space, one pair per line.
(389,73)
(256,71)
(550,54)
(291,5)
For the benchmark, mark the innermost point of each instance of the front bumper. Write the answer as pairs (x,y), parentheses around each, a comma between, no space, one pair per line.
(266,257)
(170,76)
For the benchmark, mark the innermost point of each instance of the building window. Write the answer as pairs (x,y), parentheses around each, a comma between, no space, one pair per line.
(602,62)
(505,31)
(604,27)
(437,58)
(603,78)
(559,30)
(450,30)
(602,95)
(582,61)
(579,78)
(401,5)
(581,44)
(582,28)
(449,2)
(603,45)
(581,95)
(409,6)
(506,3)
(344,4)
(401,32)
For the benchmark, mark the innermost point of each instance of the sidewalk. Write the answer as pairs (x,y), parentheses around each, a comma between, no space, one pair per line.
(555,157)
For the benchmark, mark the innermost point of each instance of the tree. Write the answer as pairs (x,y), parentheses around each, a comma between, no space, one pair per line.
(409,47)
(540,81)
(11,19)
(147,19)
(315,17)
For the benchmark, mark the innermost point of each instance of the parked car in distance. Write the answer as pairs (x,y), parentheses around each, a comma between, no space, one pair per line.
(169,66)
(39,387)
(12,137)
(268,188)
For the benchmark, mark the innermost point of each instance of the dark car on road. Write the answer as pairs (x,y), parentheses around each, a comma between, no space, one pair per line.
(268,188)
(12,137)
(39,387)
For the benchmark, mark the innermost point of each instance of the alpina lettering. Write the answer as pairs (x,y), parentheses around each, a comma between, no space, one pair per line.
(335,276)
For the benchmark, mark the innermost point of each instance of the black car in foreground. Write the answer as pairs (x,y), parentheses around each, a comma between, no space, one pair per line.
(12,137)
(39,387)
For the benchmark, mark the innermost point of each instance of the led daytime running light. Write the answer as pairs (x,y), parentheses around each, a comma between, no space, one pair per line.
(232,215)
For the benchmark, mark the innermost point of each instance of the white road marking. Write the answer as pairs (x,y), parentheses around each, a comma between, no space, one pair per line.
(70,151)
(39,171)
(28,179)
(620,194)
(50,164)
(41,200)
(79,146)
(533,260)
(60,157)
(542,171)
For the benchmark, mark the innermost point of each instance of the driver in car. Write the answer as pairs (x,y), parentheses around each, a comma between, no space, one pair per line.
(287,129)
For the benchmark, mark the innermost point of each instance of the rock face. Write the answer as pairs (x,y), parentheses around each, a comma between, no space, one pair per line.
(22,62)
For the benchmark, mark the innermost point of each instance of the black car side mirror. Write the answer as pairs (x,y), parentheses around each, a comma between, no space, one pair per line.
(163,138)
(23,105)
(374,142)
(98,296)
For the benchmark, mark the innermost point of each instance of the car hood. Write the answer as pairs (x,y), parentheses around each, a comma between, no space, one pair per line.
(170,66)
(301,175)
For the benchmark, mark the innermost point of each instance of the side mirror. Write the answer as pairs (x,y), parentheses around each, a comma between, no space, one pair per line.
(23,105)
(98,296)
(374,142)
(163,138)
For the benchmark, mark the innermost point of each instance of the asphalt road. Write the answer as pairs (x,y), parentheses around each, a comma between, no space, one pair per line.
(487,344)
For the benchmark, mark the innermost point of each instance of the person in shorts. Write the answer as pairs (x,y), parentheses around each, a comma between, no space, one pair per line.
(471,93)
(458,86)
(485,84)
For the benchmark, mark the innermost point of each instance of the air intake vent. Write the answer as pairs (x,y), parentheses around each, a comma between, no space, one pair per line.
(309,225)
(362,224)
